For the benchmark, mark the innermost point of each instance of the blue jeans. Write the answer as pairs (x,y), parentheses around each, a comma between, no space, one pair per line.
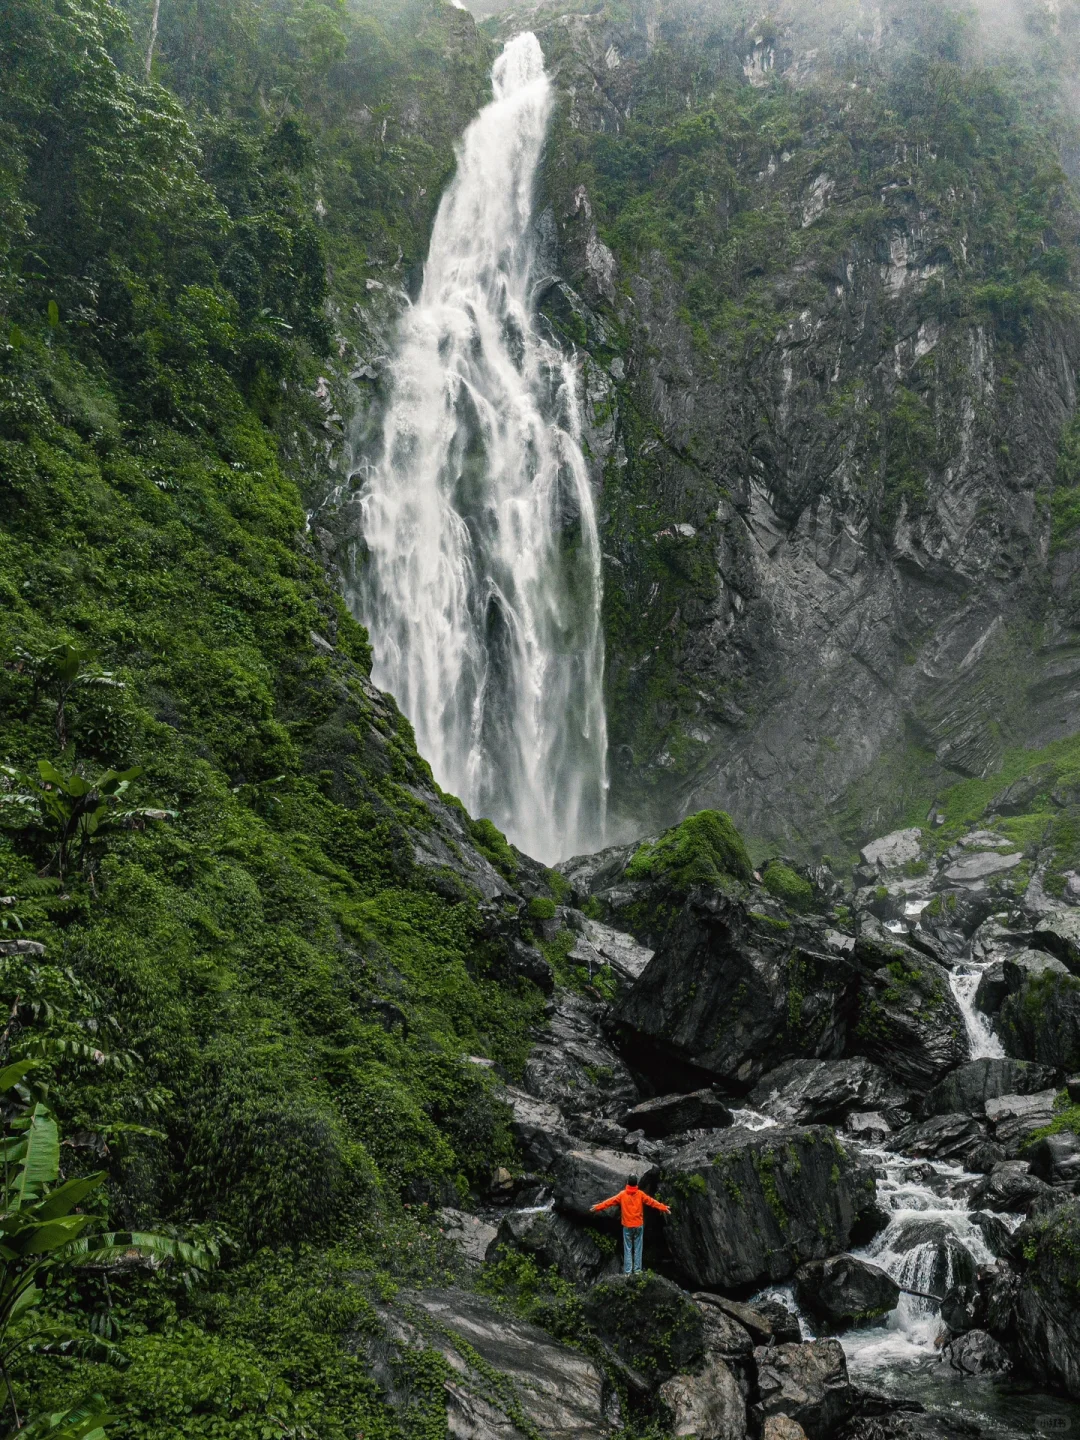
(631,1248)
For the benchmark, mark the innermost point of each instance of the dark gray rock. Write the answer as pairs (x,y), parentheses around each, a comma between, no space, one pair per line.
(756,1324)
(1045,1328)
(675,1114)
(562,1393)
(1021,965)
(784,1322)
(758,996)
(969,1086)
(724,1335)
(1016,1117)
(538,1128)
(998,1236)
(1072,1089)
(976,1353)
(708,1405)
(586,1175)
(843,1289)
(1056,1158)
(1059,932)
(553,1241)
(940,1258)
(1010,1188)
(649,1323)
(1041,1021)
(869,1126)
(984,1157)
(908,1021)
(943,1137)
(810,1092)
(574,1064)
(749,1206)
(992,990)
(809,1383)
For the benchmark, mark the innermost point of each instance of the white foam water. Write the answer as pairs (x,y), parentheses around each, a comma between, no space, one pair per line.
(478,574)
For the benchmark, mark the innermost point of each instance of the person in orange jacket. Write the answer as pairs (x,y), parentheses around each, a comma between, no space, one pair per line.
(631,1201)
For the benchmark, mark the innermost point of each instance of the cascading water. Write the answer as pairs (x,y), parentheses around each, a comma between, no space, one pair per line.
(479,574)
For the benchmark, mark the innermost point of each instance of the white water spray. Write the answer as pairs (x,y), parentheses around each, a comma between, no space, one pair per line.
(481,580)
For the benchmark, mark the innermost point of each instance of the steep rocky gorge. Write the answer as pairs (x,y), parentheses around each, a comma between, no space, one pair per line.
(819,1080)
(829,354)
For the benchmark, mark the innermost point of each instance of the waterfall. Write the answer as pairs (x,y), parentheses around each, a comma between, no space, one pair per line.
(479,573)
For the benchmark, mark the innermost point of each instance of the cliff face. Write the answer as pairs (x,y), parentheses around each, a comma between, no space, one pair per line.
(823,278)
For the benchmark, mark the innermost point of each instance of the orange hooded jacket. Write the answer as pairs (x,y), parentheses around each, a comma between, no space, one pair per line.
(630,1202)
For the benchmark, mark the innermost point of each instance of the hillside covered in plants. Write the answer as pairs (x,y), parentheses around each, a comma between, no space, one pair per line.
(309,1079)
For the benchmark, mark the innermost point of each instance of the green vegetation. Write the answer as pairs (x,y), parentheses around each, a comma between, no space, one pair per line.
(704,849)
(253,1003)
(783,882)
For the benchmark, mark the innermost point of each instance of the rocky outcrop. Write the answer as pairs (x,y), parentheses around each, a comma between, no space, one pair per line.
(944,1137)
(553,1241)
(810,1092)
(967,1088)
(588,1174)
(843,1290)
(1041,1019)
(908,1020)
(748,1207)
(808,1383)
(674,1114)
(1046,1323)
(574,1066)
(709,1405)
(757,995)
(649,1323)
(833,603)
(976,1353)
(554,1389)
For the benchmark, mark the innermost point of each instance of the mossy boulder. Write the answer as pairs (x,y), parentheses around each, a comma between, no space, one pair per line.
(704,849)
(650,1323)
(1041,1020)
(748,1207)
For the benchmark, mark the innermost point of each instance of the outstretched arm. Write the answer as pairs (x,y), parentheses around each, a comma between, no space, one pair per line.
(656,1204)
(607,1204)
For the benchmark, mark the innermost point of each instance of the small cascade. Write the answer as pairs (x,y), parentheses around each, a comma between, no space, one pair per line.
(964,982)
(477,570)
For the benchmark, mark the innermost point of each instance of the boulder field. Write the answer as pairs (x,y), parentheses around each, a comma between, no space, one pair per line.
(762,1068)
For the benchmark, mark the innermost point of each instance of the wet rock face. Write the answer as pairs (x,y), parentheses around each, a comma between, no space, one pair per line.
(843,1289)
(574,1066)
(810,1092)
(976,1353)
(908,1021)
(969,1087)
(674,1114)
(938,1260)
(1046,1318)
(553,1241)
(1041,1020)
(748,1207)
